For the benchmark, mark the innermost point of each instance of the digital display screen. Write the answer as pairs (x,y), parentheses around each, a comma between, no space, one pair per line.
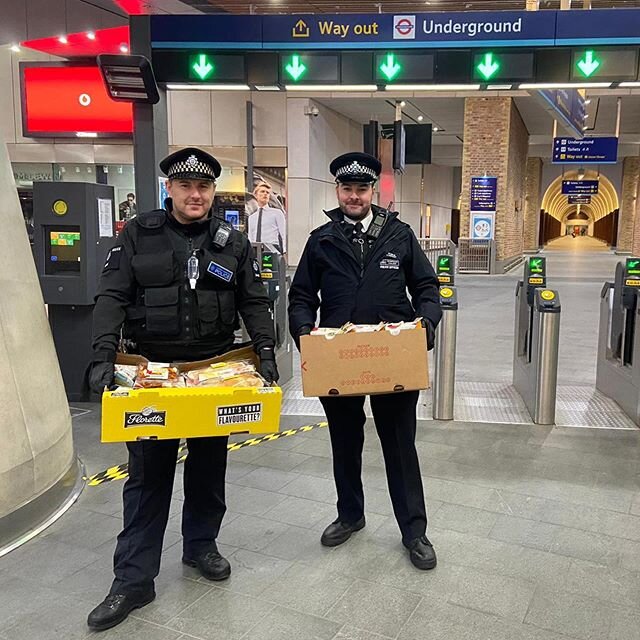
(309,68)
(63,100)
(267,262)
(633,266)
(63,250)
(444,263)
(404,67)
(491,67)
(536,265)
(232,217)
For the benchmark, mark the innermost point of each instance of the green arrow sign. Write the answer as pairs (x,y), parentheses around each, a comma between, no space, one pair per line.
(488,66)
(390,67)
(535,265)
(633,265)
(588,64)
(296,69)
(444,263)
(202,67)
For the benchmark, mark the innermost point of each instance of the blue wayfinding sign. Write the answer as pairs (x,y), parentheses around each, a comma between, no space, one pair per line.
(569,105)
(602,150)
(383,30)
(484,193)
(579,200)
(579,187)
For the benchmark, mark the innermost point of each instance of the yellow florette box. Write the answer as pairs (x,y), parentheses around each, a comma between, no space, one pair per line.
(189,412)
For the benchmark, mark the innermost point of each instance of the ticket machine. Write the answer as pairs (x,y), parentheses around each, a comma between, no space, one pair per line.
(74,227)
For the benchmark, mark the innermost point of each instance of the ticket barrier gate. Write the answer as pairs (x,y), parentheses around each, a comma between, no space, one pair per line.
(618,366)
(445,347)
(273,271)
(537,337)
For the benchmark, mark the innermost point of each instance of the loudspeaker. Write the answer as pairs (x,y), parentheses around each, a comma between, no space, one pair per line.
(370,138)
(418,144)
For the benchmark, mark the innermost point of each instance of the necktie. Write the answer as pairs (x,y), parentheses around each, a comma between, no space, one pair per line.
(357,240)
(259,229)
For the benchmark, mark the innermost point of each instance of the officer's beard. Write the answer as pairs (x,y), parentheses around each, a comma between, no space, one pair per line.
(364,212)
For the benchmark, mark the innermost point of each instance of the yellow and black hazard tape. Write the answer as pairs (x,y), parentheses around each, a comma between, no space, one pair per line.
(121,471)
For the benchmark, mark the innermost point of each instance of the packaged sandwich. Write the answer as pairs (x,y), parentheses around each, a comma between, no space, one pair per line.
(153,375)
(125,375)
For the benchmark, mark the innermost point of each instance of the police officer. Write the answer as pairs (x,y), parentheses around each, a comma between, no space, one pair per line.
(174,282)
(358,268)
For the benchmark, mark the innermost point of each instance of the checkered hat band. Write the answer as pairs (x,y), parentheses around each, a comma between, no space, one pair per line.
(189,167)
(355,168)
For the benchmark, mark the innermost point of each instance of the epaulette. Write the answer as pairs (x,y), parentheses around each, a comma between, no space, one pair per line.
(152,219)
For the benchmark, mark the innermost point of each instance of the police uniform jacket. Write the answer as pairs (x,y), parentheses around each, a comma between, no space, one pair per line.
(363,293)
(145,289)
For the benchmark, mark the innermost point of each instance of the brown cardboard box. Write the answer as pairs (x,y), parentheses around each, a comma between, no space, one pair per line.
(353,364)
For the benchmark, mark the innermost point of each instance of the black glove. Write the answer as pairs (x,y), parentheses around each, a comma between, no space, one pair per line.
(431,334)
(101,376)
(268,368)
(304,331)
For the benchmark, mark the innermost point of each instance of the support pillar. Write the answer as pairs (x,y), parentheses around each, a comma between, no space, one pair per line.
(150,127)
(628,205)
(532,202)
(496,144)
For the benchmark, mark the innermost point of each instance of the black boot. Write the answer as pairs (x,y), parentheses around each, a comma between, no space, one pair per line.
(115,608)
(338,532)
(210,564)
(422,554)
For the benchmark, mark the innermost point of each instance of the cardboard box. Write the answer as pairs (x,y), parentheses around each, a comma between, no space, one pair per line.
(191,412)
(364,363)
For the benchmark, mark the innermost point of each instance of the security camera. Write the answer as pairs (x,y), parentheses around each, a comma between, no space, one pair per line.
(312,111)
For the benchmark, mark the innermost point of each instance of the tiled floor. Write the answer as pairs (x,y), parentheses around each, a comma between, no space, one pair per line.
(537,532)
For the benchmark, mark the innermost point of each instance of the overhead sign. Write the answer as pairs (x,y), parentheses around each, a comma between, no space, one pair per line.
(609,65)
(67,100)
(601,150)
(381,30)
(617,26)
(579,187)
(579,200)
(484,191)
(568,105)
(310,68)
(482,226)
(404,67)
(496,66)
(472,28)
(203,65)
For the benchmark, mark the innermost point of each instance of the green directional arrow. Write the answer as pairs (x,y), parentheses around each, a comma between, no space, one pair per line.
(295,68)
(202,67)
(588,64)
(632,264)
(390,67)
(488,66)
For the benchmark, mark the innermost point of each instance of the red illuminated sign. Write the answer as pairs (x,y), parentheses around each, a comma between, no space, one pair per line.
(70,100)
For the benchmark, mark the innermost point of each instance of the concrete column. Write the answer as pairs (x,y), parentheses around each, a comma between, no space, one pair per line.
(312,142)
(629,203)
(565,5)
(532,201)
(532,5)
(586,4)
(35,424)
(495,144)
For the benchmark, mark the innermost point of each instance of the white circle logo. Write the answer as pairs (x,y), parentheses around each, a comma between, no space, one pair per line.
(482,228)
(84,99)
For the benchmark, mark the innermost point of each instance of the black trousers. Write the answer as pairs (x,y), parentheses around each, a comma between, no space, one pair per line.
(147,498)
(395,420)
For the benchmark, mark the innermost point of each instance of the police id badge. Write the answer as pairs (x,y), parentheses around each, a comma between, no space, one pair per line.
(218,271)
